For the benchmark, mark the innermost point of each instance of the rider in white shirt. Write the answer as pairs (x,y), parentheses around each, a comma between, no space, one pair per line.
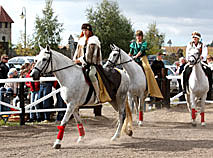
(196,43)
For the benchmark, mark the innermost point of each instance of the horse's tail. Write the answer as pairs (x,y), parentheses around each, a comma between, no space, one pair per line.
(127,125)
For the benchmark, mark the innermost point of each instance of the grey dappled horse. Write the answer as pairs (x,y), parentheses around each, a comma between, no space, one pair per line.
(137,88)
(75,89)
(198,86)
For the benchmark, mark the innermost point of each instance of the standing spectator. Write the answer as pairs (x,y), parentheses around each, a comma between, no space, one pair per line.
(177,67)
(183,63)
(9,90)
(59,103)
(210,61)
(4,69)
(45,89)
(34,92)
(157,68)
(158,65)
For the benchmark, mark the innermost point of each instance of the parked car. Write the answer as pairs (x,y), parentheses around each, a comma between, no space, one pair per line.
(174,86)
(18,61)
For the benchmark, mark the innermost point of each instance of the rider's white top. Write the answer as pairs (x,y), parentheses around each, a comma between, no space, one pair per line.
(201,46)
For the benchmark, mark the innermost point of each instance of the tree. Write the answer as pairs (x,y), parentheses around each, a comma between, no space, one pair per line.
(110,26)
(47,29)
(24,51)
(154,39)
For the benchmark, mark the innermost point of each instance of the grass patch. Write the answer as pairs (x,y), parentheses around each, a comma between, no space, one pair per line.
(2,123)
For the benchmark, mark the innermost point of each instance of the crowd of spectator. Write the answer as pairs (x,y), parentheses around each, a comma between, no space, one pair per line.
(33,91)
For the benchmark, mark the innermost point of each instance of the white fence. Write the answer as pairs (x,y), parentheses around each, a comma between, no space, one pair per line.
(27,108)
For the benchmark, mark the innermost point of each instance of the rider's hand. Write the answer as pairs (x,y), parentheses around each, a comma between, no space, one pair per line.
(77,61)
(134,57)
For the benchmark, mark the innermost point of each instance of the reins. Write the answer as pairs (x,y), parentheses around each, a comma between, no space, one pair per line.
(113,64)
(49,61)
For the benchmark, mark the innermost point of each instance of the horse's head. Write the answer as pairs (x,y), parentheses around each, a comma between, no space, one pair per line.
(194,56)
(43,64)
(114,57)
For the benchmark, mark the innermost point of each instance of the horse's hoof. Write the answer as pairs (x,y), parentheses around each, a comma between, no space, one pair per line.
(140,123)
(203,124)
(80,138)
(57,146)
(130,133)
(114,138)
(194,124)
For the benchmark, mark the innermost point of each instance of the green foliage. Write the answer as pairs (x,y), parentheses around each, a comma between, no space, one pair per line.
(110,26)
(47,29)
(154,39)
(21,51)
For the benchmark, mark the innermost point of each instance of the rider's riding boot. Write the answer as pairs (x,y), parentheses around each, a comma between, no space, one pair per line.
(96,87)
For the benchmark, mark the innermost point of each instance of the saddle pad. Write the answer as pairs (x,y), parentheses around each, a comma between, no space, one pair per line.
(111,79)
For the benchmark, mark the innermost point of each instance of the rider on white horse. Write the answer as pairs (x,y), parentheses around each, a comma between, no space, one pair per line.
(88,53)
(196,43)
(138,52)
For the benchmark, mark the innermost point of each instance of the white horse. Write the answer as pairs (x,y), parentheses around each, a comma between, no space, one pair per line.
(198,86)
(75,90)
(137,88)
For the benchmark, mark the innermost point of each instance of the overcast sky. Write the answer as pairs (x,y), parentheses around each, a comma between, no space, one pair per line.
(177,19)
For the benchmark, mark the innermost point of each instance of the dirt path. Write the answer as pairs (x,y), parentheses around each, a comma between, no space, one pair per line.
(166,133)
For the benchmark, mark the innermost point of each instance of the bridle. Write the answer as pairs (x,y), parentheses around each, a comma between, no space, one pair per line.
(113,64)
(50,62)
(197,60)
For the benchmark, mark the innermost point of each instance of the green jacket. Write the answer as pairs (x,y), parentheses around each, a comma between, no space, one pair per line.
(135,48)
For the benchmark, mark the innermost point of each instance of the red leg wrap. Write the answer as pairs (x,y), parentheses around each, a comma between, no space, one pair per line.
(81,129)
(202,117)
(193,114)
(61,132)
(140,115)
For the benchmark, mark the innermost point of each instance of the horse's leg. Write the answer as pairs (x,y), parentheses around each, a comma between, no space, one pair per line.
(188,102)
(141,109)
(138,114)
(122,115)
(69,111)
(193,109)
(131,101)
(80,126)
(202,110)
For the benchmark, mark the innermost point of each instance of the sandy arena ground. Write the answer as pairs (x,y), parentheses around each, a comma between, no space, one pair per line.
(165,133)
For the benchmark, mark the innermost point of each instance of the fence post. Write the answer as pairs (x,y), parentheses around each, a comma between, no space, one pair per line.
(166,89)
(97,110)
(21,97)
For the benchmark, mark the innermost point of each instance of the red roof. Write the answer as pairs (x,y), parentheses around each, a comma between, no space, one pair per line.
(4,17)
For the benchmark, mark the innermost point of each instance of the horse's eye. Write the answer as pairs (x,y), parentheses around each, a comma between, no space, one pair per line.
(114,55)
(44,59)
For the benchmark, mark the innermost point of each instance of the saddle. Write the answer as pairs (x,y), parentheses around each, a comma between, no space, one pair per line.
(109,82)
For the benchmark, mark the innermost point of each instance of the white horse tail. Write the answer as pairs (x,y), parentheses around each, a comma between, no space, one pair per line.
(127,125)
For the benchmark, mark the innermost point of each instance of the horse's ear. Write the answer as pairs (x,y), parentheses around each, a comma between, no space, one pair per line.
(112,46)
(41,48)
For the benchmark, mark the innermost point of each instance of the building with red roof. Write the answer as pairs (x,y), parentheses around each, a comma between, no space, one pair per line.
(5,30)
